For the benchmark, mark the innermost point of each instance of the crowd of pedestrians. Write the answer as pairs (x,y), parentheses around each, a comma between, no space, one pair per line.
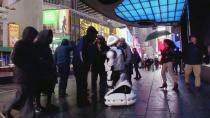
(37,69)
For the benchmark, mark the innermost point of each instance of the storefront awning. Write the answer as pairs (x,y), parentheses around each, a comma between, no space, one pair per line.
(141,13)
(151,10)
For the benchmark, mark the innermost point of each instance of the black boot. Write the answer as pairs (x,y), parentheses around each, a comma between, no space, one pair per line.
(164,85)
(175,86)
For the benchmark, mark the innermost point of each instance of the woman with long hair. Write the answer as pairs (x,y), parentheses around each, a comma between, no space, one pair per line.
(167,63)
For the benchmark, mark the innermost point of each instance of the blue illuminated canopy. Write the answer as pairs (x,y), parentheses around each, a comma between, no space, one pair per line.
(151,10)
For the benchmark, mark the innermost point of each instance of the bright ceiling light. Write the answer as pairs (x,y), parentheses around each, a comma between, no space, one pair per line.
(161,28)
(151,10)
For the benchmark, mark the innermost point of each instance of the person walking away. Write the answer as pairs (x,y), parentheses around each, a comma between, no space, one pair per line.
(193,61)
(167,63)
(47,69)
(81,64)
(136,60)
(127,57)
(25,72)
(62,60)
(156,63)
(98,67)
(147,63)
(177,61)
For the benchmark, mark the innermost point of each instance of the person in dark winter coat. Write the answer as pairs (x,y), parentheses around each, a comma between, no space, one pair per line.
(47,68)
(81,64)
(193,61)
(25,73)
(167,61)
(136,60)
(98,68)
(62,60)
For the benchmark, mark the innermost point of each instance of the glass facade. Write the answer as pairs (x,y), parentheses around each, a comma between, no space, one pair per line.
(151,10)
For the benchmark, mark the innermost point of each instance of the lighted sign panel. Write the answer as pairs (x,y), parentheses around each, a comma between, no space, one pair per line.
(50,17)
(151,10)
(57,20)
(13,34)
(64,21)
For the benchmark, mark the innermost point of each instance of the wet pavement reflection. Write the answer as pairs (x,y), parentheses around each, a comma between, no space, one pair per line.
(152,102)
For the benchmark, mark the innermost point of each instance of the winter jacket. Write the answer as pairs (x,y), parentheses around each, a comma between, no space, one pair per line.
(167,56)
(25,59)
(47,68)
(83,52)
(136,58)
(62,54)
(194,54)
(99,57)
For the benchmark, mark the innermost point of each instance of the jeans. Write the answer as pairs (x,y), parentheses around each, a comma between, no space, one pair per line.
(63,70)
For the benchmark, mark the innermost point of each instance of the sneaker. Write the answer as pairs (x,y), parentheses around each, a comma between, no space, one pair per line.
(6,115)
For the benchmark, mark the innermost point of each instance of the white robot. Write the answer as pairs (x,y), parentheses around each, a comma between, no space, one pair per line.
(121,93)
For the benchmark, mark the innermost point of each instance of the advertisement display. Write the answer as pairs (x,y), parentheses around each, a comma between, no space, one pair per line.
(57,20)
(13,34)
(64,21)
(50,19)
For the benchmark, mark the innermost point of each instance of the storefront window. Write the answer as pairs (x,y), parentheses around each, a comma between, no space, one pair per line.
(57,20)
(13,34)
(103,30)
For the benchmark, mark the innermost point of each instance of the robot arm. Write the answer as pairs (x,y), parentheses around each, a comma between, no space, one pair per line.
(109,65)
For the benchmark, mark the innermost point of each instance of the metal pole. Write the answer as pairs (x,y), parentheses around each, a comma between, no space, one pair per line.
(188,20)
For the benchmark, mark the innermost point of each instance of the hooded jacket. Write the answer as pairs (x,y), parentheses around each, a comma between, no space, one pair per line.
(62,53)
(47,69)
(24,57)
